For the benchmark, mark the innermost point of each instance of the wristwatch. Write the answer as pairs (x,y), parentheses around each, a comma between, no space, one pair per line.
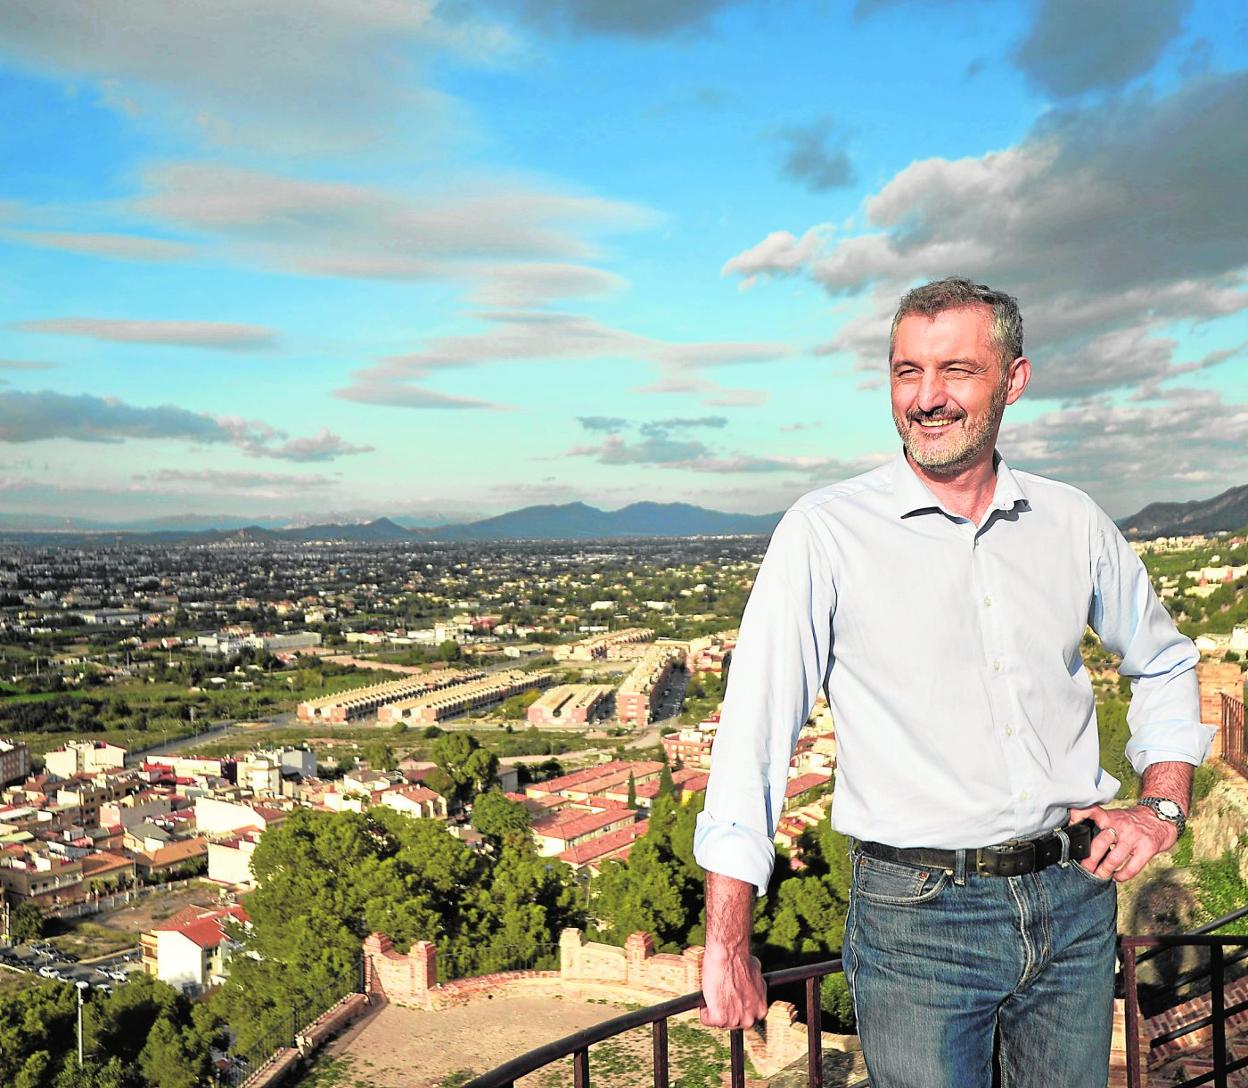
(1165,809)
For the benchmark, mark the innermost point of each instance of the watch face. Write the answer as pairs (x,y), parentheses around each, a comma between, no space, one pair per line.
(1169,809)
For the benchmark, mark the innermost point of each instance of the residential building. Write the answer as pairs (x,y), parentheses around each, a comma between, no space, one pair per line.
(638,695)
(599,646)
(572,827)
(365,701)
(14,761)
(191,950)
(568,704)
(418,801)
(84,757)
(453,700)
(229,859)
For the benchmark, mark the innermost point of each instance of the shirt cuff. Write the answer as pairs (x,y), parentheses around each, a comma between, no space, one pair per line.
(1170,742)
(732,849)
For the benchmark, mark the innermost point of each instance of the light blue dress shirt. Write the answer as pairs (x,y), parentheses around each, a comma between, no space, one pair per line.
(949,654)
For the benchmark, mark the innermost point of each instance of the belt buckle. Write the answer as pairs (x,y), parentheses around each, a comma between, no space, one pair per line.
(1015,858)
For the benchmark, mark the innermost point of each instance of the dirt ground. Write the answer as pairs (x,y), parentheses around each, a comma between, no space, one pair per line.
(141,916)
(410,1048)
(406,1048)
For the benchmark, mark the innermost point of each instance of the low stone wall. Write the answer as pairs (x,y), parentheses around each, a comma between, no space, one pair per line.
(275,1070)
(330,1023)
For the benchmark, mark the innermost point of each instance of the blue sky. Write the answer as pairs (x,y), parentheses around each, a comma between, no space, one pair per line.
(441,260)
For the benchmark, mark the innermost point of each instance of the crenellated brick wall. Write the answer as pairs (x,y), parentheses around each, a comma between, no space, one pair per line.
(636,965)
(634,972)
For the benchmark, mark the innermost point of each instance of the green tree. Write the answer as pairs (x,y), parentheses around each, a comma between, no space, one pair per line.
(26,922)
(659,888)
(35,1024)
(632,790)
(667,787)
(380,757)
(470,767)
(500,819)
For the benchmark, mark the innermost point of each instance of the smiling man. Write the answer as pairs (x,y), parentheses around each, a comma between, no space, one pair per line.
(939,601)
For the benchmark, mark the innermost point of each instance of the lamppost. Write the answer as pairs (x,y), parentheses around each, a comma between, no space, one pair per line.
(81,985)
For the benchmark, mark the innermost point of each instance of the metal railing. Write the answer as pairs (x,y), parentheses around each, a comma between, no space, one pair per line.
(1216,1019)
(576,1046)
(491,961)
(282,1036)
(1234,742)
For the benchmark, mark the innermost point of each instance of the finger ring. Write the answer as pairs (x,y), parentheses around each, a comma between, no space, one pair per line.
(1111,831)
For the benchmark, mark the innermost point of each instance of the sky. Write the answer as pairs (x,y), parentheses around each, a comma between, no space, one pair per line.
(315,259)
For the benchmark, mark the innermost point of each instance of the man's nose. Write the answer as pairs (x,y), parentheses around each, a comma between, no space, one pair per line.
(932,394)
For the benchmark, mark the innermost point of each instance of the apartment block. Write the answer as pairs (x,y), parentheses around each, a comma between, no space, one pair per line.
(568,704)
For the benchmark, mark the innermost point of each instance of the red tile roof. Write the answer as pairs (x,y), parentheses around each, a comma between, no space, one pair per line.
(574,825)
(804,782)
(598,849)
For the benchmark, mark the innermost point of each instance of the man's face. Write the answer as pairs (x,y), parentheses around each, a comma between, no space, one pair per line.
(948,389)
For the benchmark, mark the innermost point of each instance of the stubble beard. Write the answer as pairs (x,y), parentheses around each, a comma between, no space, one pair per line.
(950,458)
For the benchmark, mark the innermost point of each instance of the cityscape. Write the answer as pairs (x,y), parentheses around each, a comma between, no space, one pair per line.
(397,401)
(196,735)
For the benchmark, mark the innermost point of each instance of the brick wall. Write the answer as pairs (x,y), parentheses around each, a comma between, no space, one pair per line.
(635,965)
(1198,1007)
(1215,678)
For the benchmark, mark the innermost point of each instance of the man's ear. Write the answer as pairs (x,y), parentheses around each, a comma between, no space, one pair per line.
(1018,379)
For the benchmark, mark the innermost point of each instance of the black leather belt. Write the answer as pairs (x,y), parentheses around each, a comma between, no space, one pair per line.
(1013,858)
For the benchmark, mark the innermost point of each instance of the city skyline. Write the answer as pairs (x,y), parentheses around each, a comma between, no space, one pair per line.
(442,261)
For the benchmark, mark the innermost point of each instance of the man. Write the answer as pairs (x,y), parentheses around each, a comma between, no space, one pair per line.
(939,601)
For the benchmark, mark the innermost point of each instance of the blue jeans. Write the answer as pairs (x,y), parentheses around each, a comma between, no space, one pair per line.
(941,973)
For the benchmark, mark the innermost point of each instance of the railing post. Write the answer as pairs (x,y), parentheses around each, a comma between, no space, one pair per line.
(737,1048)
(660,1053)
(1217,1006)
(580,1068)
(814,1029)
(1131,1009)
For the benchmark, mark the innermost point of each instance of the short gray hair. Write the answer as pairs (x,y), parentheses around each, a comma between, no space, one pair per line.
(953,293)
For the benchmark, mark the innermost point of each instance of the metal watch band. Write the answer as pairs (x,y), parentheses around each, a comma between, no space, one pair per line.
(1155,803)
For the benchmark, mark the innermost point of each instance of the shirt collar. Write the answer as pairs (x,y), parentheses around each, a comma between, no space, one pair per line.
(911,495)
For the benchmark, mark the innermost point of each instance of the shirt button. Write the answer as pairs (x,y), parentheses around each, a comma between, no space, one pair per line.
(987,600)
(1009,730)
(1025,795)
(996,666)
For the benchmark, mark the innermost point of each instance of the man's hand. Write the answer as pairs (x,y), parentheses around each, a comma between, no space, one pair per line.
(734,990)
(732,979)
(1127,839)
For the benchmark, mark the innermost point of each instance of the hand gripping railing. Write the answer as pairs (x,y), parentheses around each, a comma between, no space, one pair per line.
(577,1045)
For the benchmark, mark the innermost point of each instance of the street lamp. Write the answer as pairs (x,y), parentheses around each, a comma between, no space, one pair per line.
(81,985)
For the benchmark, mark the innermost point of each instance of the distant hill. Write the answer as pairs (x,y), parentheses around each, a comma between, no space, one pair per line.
(571,521)
(1223,513)
(578,521)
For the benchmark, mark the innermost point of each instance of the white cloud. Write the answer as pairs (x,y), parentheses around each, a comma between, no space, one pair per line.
(34,417)
(187,334)
(293,75)
(1110,223)
(129,247)
(214,480)
(522,336)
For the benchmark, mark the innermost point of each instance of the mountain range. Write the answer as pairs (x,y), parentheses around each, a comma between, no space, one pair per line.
(1228,511)
(570,521)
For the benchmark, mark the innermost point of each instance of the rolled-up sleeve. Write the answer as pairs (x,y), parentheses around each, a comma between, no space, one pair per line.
(781,660)
(1164,716)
